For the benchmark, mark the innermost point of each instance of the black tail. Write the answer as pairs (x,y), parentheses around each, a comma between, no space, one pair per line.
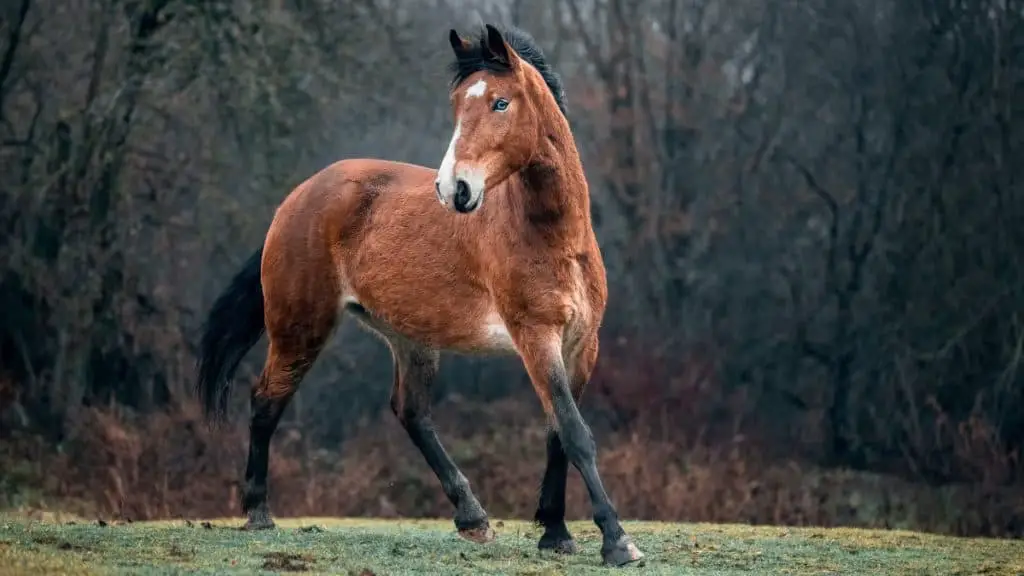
(234,326)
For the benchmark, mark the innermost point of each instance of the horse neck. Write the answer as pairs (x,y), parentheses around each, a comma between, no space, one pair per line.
(556,198)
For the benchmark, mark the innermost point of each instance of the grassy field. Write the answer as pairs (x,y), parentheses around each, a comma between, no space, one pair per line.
(365,547)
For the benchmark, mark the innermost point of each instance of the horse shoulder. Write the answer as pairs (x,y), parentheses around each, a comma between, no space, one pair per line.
(554,290)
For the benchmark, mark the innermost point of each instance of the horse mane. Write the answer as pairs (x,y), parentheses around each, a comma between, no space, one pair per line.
(477,57)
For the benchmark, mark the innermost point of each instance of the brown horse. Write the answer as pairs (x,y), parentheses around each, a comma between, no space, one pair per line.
(519,273)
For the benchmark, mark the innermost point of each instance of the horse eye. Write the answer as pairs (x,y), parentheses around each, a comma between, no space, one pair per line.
(500,105)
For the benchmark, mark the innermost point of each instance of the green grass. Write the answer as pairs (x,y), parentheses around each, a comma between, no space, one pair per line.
(363,546)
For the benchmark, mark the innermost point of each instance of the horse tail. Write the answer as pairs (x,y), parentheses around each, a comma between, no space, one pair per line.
(234,325)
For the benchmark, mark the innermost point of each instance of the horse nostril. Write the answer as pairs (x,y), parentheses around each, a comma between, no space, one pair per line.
(437,190)
(461,199)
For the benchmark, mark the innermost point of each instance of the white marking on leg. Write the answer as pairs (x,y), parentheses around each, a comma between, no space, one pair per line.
(477,90)
(497,334)
(446,173)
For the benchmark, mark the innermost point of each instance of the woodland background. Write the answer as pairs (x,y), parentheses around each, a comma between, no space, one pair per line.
(812,214)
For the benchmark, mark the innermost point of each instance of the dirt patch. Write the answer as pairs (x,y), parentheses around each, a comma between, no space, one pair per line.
(177,553)
(48,540)
(287,562)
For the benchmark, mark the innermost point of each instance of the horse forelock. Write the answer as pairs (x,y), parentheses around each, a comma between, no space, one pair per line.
(476,57)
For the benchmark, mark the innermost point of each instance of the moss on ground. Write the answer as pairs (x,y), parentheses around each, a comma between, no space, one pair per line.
(365,547)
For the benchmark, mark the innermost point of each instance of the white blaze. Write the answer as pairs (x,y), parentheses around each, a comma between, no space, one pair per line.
(477,90)
(446,173)
(474,176)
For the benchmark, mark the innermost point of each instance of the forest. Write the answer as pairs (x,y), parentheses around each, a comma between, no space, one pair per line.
(810,212)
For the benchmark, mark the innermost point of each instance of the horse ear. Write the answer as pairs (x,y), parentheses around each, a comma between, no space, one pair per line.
(458,44)
(499,49)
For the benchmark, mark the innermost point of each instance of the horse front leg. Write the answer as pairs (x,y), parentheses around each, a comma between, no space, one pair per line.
(541,353)
(415,370)
(551,505)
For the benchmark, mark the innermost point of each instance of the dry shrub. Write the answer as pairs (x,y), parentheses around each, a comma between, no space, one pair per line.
(158,466)
(643,383)
(171,465)
(974,449)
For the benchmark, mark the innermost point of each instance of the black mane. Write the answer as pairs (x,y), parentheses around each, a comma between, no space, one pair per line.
(477,57)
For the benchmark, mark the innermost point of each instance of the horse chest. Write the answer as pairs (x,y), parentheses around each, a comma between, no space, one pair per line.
(540,297)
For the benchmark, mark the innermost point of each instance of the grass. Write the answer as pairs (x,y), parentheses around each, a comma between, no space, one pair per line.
(366,547)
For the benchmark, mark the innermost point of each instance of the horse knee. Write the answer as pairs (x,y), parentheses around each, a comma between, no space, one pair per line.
(578,442)
(575,436)
(408,414)
(415,369)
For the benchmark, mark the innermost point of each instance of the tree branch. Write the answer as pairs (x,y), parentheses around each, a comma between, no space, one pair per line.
(14,41)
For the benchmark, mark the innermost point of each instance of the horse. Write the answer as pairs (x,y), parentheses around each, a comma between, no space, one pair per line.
(494,253)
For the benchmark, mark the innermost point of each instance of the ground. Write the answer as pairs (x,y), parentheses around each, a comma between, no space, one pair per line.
(366,547)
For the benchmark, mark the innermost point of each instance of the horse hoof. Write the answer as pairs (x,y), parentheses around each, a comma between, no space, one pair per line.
(259,521)
(567,547)
(621,553)
(259,525)
(481,535)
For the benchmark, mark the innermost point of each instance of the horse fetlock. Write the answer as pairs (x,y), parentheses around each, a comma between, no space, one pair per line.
(557,539)
(469,514)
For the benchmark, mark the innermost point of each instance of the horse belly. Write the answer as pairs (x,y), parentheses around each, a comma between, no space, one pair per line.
(496,337)
(435,324)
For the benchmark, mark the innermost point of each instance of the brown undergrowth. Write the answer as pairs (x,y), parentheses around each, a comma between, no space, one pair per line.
(172,465)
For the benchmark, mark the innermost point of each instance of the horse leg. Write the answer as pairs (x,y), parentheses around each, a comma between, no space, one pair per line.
(415,370)
(541,353)
(551,507)
(281,375)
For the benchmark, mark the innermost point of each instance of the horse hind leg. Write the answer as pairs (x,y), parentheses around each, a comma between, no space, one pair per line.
(286,365)
(415,370)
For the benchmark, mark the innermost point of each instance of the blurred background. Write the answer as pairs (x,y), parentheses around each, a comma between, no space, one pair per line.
(812,214)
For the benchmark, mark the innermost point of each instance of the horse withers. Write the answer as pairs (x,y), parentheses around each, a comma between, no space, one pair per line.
(507,264)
